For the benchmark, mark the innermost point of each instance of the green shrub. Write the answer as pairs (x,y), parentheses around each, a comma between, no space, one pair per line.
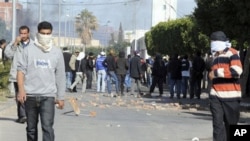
(4,74)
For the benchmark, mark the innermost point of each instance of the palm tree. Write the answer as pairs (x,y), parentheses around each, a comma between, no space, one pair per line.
(85,23)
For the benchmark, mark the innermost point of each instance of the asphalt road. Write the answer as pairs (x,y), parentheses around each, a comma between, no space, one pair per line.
(121,119)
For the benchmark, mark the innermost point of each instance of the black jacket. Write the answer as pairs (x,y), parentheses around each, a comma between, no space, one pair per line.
(89,65)
(109,63)
(135,67)
(174,67)
(121,64)
(159,67)
(83,65)
(67,56)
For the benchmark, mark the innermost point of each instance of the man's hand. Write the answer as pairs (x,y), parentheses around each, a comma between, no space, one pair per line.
(18,40)
(211,75)
(59,104)
(21,97)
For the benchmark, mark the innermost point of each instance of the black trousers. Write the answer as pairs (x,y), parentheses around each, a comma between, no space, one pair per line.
(20,107)
(195,87)
(89,75)
(224,113)
(73,79)
(157,80)
(121,80)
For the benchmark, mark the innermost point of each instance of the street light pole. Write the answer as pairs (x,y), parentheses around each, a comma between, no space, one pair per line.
(107,35)
(40,10)
(14,19)
(135,47)
(170,6)
(59,23)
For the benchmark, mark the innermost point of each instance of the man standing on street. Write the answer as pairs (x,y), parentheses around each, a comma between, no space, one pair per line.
(225,93)
(13,51)
(67,55)
(101,73)
(136,73)
(41,83)
(109,63)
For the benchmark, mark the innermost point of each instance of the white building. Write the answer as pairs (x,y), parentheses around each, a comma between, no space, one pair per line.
(163,10)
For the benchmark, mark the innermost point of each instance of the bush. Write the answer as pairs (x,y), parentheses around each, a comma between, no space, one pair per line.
(4,74)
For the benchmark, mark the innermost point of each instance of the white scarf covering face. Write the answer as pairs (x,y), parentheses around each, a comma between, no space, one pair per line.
(44,42)
(217,46)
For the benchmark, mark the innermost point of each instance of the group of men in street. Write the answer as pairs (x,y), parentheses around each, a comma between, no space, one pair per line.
(41,73)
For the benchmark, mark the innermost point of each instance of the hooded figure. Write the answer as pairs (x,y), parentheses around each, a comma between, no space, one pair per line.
(121,70)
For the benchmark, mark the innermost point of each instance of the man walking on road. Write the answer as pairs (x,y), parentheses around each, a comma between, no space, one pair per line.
(225,93)
(41,83)
(13,51)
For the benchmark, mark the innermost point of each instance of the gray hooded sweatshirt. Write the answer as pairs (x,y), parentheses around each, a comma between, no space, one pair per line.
(44,72)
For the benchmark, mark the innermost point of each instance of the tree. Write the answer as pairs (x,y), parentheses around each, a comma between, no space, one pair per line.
(178,36)
(5,34)
(120,34)
(232,17)
(85,23)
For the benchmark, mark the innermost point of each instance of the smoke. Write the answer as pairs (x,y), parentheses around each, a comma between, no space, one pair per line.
(30,14)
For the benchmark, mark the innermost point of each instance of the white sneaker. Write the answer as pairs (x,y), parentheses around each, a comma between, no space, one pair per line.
(113,95)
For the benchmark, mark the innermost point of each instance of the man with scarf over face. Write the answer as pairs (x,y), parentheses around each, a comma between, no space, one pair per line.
(41,83)
(225,93)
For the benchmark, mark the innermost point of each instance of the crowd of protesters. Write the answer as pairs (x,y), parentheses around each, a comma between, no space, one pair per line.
(182,75)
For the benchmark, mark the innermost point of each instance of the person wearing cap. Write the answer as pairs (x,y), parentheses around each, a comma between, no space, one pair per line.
(101,72)
(72,63)
(225,93)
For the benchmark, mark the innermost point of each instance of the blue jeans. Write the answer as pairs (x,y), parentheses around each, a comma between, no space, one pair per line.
(175,84)
(127,81)
(111,76)
(149,80)
(101,76)
(68,79)
(45,107)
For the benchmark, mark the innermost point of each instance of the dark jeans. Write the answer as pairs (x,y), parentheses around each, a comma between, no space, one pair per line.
(195,87)
(20,107)
(73,79)
(45,107)
(121,80)
(224,113)
(89,75)
(175,86)
(184,85)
